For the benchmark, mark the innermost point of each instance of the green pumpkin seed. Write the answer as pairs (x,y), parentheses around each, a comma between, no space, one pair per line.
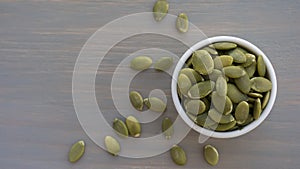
(136,100)
(191,116)
(224,45)
(76,151)
(188,63)
(219,118)
(222,103)
(211,155)
(178,155)
(120,127)
(223,61)
(234,94)
(248,120)
(265,100)
(215,74)
(242,50)
(184,83)
(255,95)
(167,127)
(194,76)
(211,51)
(221,86)
(133,126)
(202,62)
(257,109)
(207,104)
(195,107)
(141,63)
(251,69)
(112,145)
(160,9)
(250,99)
(155,104)
(238,56)
(164,63)
(234,71)
(250,58)
(201,89)
(243,83)
(261,84)
(225,127)
(182,23)
(261,67)
(204,121)
(241,112)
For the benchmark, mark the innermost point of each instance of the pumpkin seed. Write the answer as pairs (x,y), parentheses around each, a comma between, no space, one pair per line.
(265,100)
(112,145)
(251,69)
(133,126)
(257,109)
(204,121)
(238,56)
(261,84)
(234,94)
(255,95)
(234,71)
(201,89)
(192,117)
(195,107)
(222,104)
(215,74)
(224,45)
(136,100)
(202,62)
(219,118)
(211,155)
(194,76)
(241,112)
(184,83)
(76,151)
(248,120)
(250,99)
(155,104)
(221,86)
(207,104)
(141,63)
(211,50)
(223,61)
(164,63)
(120,127)
(250,58)
(225,127)
(182,23)
(167,128)
(243,83)
(188,63)
(160,9)
(261,67)
(242,50)
(178,155)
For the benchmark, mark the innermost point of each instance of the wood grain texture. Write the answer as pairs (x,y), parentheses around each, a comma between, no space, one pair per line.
(41,39)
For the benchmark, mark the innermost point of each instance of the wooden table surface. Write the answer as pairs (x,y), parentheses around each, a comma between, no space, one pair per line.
(40,41)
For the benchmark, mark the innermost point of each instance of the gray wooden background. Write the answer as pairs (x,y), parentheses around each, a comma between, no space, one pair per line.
(41,39)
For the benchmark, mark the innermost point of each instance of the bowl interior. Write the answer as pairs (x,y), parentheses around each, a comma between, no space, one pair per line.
(228,134)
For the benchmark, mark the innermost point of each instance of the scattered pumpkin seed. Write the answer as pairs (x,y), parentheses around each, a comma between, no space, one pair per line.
(261,67)
(261,84)
(182,23)
(257,109)
(134,127)
(195,107)
(164,63)
(202,62)
(76,151)
(241,112)
(234,71)
(155,104)
(201,89)
(112,145)
(167,128)
(178,155)
(211,155)
(160,9)
(141,63)
(136,100)
(120,127)
(224,45)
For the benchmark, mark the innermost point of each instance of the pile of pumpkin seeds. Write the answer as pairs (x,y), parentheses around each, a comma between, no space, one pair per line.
(224,87)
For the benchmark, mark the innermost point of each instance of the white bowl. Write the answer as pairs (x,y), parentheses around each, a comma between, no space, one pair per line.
(229,134)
